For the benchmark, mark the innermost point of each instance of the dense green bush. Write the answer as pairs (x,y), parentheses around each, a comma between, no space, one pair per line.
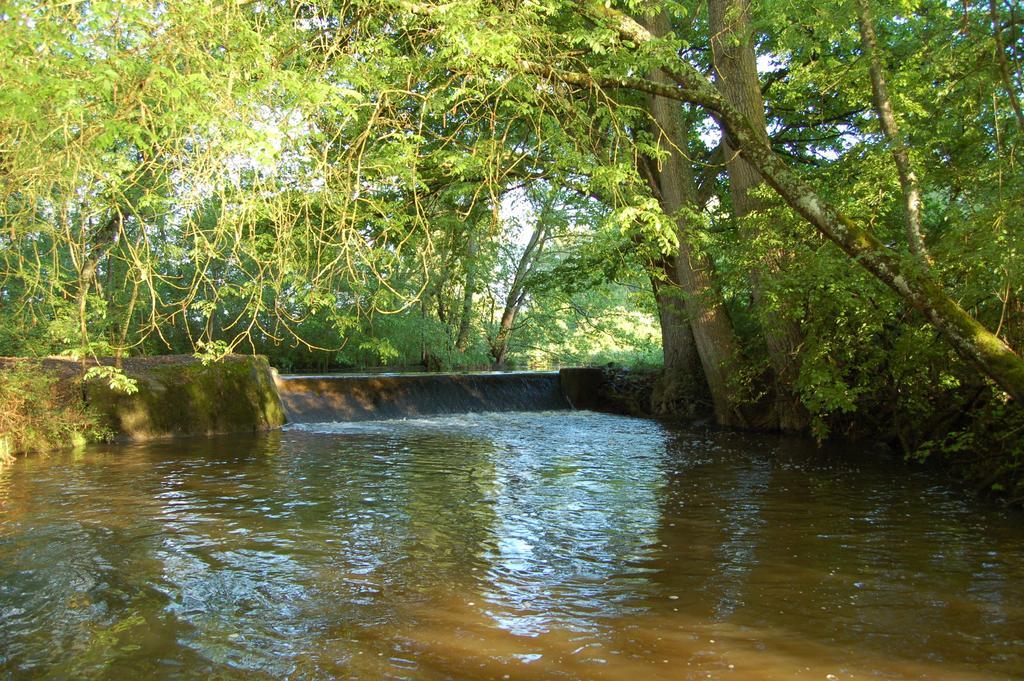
(40,411)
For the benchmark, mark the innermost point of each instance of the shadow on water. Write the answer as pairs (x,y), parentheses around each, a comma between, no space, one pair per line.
(500,545)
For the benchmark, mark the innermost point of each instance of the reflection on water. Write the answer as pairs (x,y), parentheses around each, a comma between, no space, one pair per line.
(491,546)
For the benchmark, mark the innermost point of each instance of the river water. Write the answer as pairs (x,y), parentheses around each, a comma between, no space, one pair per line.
(554,545)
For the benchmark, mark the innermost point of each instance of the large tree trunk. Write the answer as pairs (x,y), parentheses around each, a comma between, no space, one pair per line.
(517,293)
(499,347)
(126,324)
(887,120)
(95,249)
(466,318)
(682,389)
(912,283)
(711,327)
(732,49)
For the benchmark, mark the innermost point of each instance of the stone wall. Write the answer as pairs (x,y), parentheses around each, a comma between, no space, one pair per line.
(181,396)
(48,405)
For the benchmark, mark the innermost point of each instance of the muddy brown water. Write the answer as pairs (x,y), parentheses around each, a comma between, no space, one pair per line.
(554,545)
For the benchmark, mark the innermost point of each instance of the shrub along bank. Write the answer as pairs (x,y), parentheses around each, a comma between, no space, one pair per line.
(42,408)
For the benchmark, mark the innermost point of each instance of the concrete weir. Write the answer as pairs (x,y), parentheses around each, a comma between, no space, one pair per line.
(363,397)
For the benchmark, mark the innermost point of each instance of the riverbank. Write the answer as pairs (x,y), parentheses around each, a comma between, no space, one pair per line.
(977,438)
(47,404)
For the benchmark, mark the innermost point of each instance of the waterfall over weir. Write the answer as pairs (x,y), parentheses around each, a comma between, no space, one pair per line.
(363,397)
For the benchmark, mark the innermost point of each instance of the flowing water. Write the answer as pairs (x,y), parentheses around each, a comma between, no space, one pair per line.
(554,545)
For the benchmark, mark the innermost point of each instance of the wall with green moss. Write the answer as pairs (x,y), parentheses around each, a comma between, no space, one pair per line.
(178,397)
(45,403)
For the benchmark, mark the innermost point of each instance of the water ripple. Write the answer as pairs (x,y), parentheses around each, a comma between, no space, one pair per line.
(537,545)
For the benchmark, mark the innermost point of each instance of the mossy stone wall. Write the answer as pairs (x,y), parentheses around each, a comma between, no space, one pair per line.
(181,396)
